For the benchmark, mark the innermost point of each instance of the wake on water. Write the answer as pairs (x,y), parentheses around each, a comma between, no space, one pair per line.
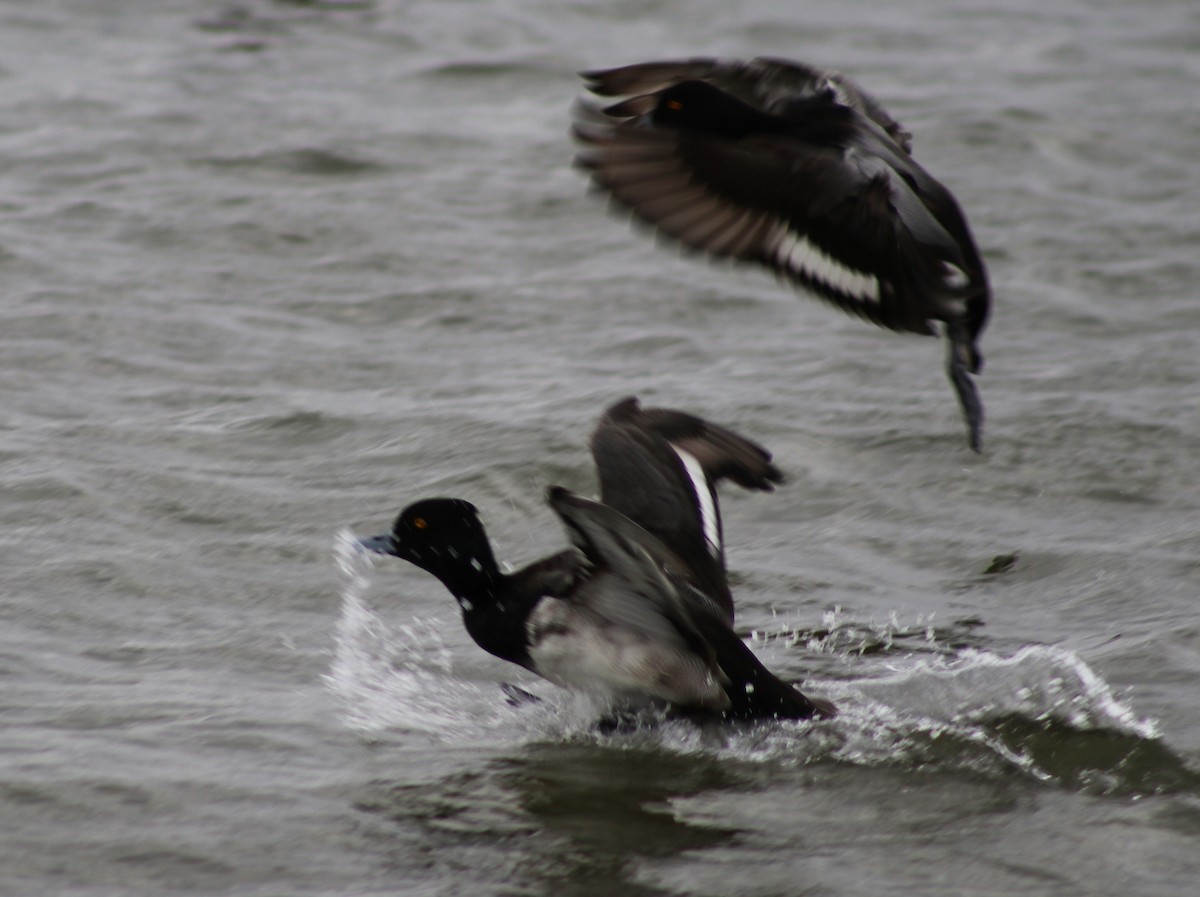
(1041,712)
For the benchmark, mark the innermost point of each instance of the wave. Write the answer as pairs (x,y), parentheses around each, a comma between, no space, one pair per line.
(1040,712)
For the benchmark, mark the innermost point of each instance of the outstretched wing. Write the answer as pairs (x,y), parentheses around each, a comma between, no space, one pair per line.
(652,597)
(658,590)
(636,622)
(791,168)
(660,467)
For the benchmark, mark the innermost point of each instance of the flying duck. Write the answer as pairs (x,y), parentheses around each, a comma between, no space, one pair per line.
(623,612)
(796,169)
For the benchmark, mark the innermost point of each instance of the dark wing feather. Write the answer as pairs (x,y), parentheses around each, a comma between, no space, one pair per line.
(797,169)
(655,599)
(658,588)
(722,452)
(644,476)
(833,203)
(744,201)
(555,576)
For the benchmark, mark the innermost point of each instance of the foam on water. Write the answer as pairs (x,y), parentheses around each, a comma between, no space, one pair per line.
(1041,682)
(955,712)
(943,711)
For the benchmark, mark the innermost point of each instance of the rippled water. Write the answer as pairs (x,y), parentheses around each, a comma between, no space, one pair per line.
(273,269)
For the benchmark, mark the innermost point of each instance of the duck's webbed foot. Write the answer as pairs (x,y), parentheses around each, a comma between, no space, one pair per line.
(963,360)
(515,696)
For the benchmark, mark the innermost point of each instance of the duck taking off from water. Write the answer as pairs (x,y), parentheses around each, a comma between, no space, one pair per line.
(638,609)
(796,169)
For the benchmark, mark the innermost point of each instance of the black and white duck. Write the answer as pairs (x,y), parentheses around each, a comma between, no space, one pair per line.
(626,612)
(796,169)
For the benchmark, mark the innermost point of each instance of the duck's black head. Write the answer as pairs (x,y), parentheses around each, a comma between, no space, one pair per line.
(699,106)
(445,537)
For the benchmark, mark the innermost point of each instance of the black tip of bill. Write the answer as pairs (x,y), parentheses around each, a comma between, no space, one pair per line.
(384,543)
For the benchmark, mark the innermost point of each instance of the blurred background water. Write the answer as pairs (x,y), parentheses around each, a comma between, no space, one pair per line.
(271,270)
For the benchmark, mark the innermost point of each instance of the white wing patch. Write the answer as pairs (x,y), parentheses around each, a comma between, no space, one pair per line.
(704,499)
(797,254)
(956,278)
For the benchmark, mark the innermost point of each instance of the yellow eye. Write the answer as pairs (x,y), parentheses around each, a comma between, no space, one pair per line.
(419,523)
(674,105)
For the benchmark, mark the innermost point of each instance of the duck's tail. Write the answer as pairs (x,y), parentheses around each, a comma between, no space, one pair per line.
(757,693)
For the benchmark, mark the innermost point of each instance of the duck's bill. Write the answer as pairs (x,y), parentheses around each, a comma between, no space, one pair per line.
(384,543)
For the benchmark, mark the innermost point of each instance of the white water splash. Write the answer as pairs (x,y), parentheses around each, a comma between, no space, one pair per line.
(388,678)
(400,679)
(1041,682)
(902,715)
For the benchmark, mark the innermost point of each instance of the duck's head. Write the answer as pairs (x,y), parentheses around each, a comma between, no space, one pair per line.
(445,537)
(699,106)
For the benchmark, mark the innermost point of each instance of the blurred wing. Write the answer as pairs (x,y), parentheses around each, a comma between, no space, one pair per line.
(829,199)
(754,200)
(657,595)
(653,599)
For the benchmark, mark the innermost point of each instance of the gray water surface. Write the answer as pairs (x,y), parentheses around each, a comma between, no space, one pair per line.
(271,270)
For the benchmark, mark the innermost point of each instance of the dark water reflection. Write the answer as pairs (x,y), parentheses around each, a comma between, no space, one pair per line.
(565,819)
